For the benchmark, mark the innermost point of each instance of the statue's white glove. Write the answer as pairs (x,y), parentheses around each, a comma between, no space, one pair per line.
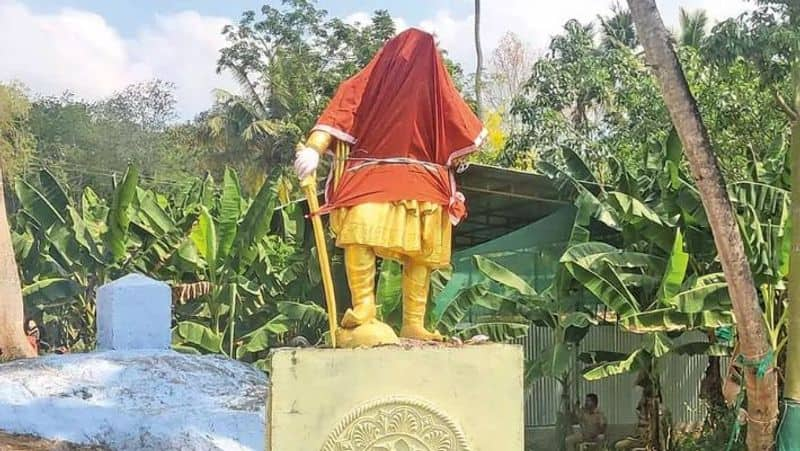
(306,162)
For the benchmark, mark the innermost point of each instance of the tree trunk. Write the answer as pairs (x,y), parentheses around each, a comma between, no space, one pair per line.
(564,417)
(711,385)
(656,436)
(762,393)
(479,51)
(13,342)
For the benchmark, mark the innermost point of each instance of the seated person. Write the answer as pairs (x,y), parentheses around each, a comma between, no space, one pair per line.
(591,420)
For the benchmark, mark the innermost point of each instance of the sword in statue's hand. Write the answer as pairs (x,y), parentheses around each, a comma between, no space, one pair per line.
(309,185)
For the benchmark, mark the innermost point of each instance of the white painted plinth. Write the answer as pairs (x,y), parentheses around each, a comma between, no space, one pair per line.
(134,312)
(393,398)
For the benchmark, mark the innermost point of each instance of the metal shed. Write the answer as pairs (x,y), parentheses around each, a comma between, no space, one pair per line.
(502,200)
(503,203)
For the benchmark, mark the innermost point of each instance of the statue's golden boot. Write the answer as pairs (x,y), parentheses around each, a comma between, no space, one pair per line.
(416,281)
(359,263)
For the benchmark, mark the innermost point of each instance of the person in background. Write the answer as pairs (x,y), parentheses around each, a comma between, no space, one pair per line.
(591,420)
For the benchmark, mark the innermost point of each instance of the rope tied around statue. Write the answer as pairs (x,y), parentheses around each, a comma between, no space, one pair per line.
(344,162)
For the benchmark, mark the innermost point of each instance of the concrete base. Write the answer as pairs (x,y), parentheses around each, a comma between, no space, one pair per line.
(134,312)
(429,398)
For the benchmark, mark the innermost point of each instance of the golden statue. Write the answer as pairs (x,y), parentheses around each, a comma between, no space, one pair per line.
(397,129)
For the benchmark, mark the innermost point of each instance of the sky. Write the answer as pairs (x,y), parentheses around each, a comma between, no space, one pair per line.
(94,48)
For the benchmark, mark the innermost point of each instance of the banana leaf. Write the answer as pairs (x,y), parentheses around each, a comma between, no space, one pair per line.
(119,217)
(496,329)
(204,237)
(256,222)
(47,292)
(675,271)
(229,212)
(260,339)
(200,335)
(38,206)
(53,191)
(631,363)
(670,320)
(584,262)
(554,361)
(390,288)
(307,314)
(503,276)
(709,292)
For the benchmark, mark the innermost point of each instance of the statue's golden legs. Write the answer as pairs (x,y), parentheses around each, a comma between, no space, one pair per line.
(359,262)
(416,282)
(360,327)
(360,265)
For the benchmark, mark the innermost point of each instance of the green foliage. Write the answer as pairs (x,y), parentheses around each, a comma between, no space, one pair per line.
(597,98)
(714,434)
(389,292)
(694,26)
(289,60)
(207,233)
(16,140)
(84,143)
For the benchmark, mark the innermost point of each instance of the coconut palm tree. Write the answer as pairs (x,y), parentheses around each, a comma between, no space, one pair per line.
(693,28)
(240,133)
(618,30)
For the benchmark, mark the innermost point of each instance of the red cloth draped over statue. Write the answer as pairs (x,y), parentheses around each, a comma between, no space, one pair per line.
(405,122)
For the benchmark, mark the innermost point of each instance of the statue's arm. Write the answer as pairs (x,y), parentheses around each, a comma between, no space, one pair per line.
(307,155)
(319,141)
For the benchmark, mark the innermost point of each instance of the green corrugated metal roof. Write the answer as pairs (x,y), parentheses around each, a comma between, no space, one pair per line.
(501,200)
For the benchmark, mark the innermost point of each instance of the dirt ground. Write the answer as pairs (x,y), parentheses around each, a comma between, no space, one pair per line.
(15,442)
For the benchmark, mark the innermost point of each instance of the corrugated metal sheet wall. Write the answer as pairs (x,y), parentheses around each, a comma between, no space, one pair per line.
(541,400)
(618,395)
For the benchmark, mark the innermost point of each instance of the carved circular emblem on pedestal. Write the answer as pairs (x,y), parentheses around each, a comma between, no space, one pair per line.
(397,424)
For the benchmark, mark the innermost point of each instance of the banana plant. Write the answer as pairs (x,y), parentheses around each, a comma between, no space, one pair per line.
(640,271)
(191,238)
(654,296)
(68,249)
(230,246)
(562,306)
(763,207)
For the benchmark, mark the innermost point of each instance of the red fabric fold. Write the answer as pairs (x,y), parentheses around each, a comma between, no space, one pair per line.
(406,123)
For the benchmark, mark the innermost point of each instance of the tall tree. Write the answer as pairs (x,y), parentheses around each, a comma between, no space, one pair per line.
(761,389)
(509,68)
(13,342)
(479,52)
(83,142)
(288,62)
(13,142)
(16,141)
(149,105)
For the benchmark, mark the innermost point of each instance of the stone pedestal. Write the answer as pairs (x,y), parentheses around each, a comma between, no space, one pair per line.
(394,398)
(134,312)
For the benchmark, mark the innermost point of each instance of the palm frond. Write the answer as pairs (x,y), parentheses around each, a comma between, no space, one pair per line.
(249,89)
